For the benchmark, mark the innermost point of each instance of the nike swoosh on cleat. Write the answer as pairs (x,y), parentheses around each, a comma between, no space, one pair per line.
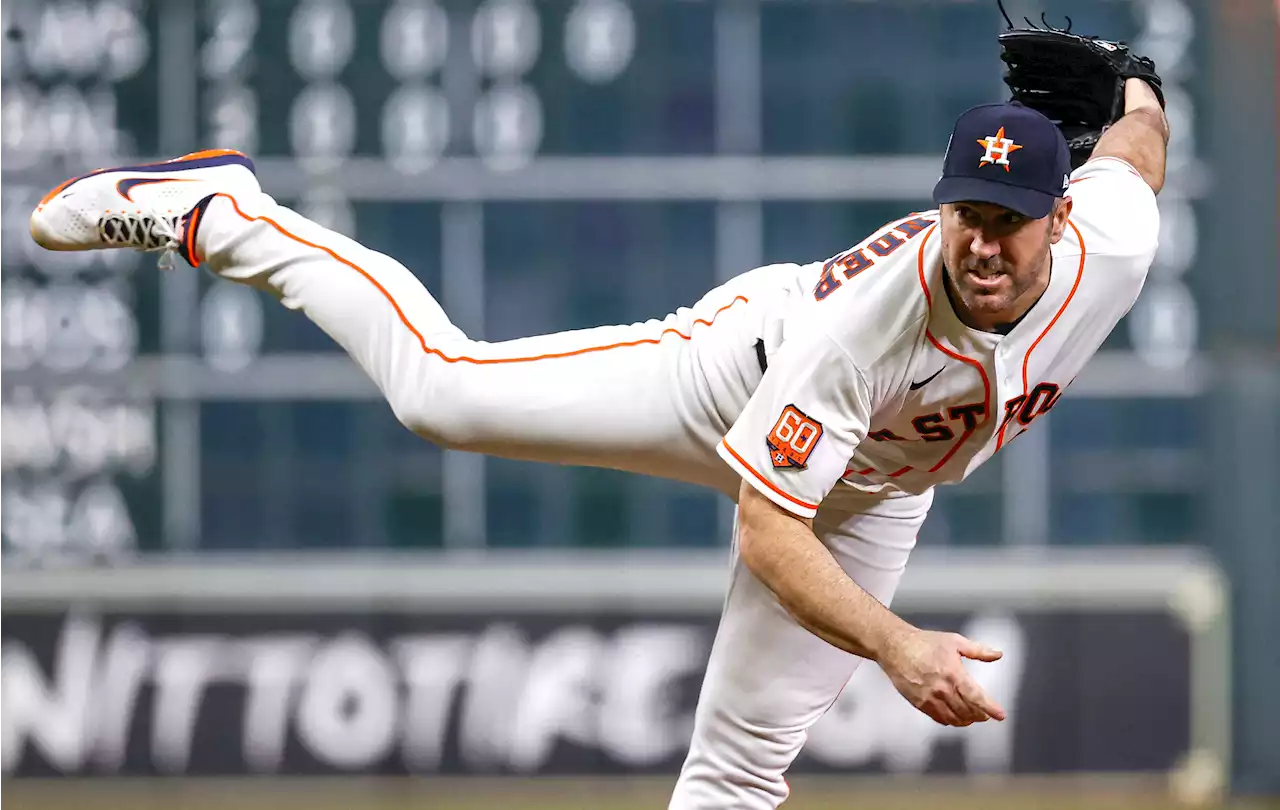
(915,385)
(127,185)
(206,159)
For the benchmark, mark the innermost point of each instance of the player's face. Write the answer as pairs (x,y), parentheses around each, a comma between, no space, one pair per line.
(998,259)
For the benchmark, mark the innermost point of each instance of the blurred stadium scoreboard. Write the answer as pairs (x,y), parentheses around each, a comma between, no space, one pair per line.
(541,166)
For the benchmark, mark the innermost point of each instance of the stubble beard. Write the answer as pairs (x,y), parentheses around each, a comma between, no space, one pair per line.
(998,302)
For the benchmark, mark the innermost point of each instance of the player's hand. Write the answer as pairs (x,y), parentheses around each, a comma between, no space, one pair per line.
(927,668)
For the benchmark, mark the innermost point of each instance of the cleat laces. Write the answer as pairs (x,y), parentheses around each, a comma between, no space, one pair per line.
(143,231)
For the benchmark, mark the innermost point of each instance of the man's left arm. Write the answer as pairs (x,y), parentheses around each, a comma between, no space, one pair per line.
(1141,137)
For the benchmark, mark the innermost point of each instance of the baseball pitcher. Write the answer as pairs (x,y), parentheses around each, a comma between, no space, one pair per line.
(827,399)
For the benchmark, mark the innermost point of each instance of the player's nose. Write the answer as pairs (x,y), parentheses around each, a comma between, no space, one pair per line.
(983,248)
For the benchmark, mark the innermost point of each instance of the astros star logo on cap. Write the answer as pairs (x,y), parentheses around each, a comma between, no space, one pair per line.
(998,149)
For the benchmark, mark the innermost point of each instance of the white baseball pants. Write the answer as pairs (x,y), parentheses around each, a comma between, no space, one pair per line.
(652,398)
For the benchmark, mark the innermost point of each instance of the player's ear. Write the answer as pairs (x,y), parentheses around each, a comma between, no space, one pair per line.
(1058,219)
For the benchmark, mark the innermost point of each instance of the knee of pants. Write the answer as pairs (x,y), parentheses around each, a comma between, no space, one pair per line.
(441,426)
(738,747)
(436,418)
(434,400)
(454,422)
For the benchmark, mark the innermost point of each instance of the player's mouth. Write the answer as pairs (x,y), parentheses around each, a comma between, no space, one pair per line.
(985,279)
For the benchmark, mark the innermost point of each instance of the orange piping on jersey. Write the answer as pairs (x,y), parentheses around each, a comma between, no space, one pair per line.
(986,383)
(1026,359)
(474,360)
(763,480)
(928,299)
(986,399)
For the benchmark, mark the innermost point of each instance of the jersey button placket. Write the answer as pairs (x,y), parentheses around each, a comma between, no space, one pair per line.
(1004,386)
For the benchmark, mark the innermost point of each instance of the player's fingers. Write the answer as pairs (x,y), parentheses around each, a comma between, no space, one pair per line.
(964,712)
(950,706)
(978,651)
(976,697)
(940,712)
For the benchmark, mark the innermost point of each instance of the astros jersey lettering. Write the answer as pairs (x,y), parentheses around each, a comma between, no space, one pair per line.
(883,388)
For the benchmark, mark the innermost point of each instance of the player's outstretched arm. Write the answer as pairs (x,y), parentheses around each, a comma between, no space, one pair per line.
(782,550)
(1141,136)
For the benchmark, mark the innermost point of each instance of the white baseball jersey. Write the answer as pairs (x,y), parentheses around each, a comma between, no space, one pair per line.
(882,387)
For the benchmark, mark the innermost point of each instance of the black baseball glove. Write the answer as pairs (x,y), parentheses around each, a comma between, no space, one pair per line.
(1075,81)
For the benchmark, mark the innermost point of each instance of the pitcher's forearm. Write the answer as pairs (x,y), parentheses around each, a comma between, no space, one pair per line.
(783,552)
(1139,138)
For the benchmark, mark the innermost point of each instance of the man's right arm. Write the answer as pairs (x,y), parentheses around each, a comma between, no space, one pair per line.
(791,444)
(781,549)
(1141,136)
(925,667)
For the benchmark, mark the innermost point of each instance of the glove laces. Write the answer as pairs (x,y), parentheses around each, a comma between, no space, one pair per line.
(1033,26)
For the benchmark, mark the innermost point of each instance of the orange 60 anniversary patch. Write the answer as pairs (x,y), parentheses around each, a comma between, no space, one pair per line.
(792,439)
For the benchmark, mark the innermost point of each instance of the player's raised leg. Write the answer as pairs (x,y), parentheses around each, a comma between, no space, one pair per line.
(769,679)
(637,397)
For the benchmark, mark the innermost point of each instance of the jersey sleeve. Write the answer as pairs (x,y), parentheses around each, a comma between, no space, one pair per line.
(798,431)
(1115,209)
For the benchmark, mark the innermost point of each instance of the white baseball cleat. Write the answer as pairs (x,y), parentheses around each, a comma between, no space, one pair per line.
(140,207)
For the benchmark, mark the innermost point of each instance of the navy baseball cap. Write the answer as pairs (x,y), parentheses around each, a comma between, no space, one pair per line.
(1006,154)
